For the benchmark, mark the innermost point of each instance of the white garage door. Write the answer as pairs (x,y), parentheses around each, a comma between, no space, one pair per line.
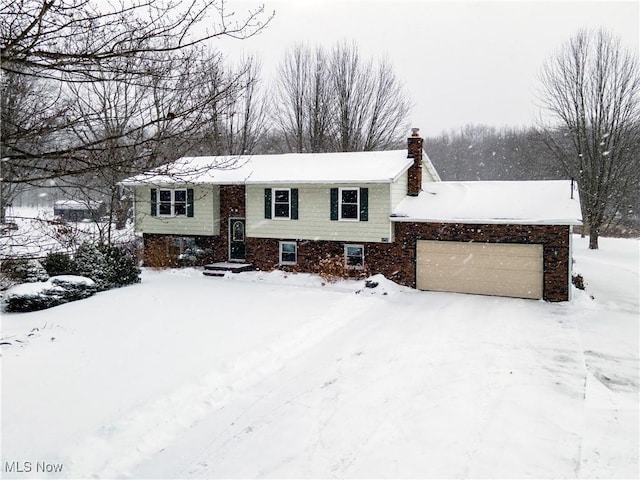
(505,269)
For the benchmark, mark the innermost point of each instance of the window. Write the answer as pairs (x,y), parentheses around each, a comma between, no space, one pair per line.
(237,231)
(173,202)
(281,203)
(349,204)
(288,253)
(354,256)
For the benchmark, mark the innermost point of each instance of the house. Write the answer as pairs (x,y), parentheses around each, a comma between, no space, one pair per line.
(75,211)
(386,212)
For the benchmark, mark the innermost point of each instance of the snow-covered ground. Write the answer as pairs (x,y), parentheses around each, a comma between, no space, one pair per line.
(274,375)
(38,233)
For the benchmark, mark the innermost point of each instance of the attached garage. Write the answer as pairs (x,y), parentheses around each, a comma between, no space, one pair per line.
(504,269)
(509,239)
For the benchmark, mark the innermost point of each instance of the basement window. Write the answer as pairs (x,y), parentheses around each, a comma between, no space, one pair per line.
(288,253)
(354,256)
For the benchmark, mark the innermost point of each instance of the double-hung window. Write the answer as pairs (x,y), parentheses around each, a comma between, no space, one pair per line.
(288,253)
(167,202)
(354,256)
(282,203)
(350,204)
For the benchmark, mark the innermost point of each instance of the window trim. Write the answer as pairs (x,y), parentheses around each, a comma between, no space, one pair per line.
(340,203)
(172,202)
(346,256)
(273,203)
(282,243)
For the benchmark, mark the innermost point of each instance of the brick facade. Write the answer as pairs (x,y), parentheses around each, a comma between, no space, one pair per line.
(414,151)
(397,260)
(554,239)
(232,205)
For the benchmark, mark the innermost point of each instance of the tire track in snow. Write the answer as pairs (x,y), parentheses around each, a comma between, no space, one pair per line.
(254,413)
(150,427)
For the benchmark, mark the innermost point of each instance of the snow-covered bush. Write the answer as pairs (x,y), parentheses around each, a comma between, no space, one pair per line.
(30,297)
(24,270)
(59,264)
(107,265)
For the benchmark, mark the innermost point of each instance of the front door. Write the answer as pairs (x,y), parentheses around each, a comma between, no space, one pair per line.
(236,239)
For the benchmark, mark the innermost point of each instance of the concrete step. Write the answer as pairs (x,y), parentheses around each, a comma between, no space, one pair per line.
(220,268)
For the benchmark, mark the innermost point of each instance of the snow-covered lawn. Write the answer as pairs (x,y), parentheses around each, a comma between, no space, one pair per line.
(274,375)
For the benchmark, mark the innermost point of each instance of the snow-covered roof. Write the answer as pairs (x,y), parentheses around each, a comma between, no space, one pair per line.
(75,205)
(528,202)
(342,167)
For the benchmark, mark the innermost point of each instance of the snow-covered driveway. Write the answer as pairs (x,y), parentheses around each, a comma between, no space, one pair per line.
(266,376)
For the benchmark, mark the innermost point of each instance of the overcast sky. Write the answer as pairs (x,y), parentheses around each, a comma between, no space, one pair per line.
(462,61)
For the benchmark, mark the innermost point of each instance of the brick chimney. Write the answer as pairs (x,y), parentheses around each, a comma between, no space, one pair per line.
(414,150)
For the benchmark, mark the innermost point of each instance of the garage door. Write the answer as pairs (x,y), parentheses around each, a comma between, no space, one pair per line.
(505,269)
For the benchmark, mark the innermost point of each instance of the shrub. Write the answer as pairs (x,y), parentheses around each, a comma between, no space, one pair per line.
(158,254)
(59,264)
(23,270)
(330,268)
(578,281)
(41,295)
(106,265)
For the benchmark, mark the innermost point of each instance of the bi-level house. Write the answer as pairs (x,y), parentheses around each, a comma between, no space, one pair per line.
(387,212)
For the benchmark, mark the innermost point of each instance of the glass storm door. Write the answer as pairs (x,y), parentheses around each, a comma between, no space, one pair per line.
(236,239)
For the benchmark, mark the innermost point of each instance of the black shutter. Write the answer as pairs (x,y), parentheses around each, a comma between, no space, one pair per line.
(154,202)
(267,203)
(294,204)
(334,204)
(189,202)
(364,204)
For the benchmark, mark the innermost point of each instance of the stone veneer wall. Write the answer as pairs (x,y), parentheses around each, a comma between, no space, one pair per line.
(397,261)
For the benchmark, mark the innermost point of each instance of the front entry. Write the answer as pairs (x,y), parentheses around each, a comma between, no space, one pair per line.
(236,239)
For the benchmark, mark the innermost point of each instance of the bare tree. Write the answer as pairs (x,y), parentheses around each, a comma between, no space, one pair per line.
(70,43)
(337,101)
(591,86)
(236,115)
(318,104)
(388,109)
(351,80)
(31,110)
(291,92)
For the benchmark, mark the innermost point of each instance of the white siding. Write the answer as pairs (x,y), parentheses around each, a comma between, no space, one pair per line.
(399,190)
(314,216)
(429,173)
(205,221)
